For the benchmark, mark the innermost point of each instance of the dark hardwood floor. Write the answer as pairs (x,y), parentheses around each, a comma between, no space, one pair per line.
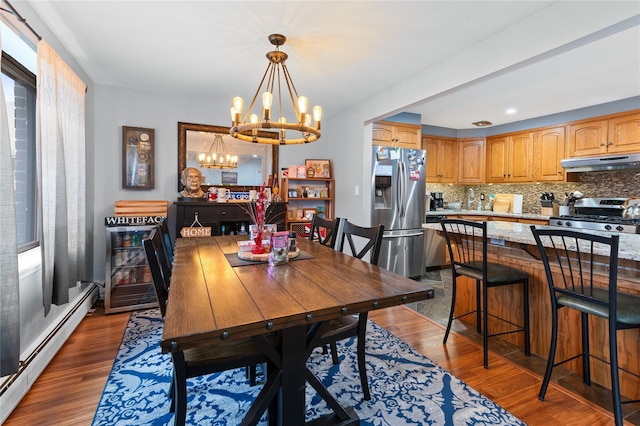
(68,391)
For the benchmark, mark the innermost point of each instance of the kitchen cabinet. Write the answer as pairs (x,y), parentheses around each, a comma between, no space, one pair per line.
(304,197)
(224,218)
(549,149)
(624,134)
(615,134)
(441,159)
(471,161)
(510,158)
(128,284)
(399,135)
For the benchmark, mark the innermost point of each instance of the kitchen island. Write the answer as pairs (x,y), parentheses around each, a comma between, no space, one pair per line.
(512,244)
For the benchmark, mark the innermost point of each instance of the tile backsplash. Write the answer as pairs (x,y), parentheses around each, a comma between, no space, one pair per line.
(596,184)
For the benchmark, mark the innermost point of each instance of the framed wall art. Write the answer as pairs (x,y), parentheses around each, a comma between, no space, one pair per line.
(308,213)
(138,158)
(229,178)
(318,168)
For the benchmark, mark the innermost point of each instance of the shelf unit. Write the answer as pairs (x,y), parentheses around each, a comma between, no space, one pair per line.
(128,284)
(320,193)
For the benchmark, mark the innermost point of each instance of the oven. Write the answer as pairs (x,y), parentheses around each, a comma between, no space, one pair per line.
(598,214)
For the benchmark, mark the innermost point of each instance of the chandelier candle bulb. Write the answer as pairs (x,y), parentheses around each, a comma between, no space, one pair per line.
(317,115)
(267,102)
(238,105)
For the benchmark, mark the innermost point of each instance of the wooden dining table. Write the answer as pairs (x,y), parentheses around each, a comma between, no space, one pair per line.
(215,297)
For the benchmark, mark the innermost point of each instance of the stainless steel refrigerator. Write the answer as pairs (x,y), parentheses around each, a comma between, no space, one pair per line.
(397,197)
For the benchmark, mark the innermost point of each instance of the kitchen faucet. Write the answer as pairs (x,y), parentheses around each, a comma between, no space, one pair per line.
(471,198)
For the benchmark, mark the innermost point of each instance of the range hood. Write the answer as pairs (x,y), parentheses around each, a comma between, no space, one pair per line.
(604,163)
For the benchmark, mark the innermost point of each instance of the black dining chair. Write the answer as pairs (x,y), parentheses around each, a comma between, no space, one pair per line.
(467,245)
(195,362)
(324,231)
(349,325)
(582,274)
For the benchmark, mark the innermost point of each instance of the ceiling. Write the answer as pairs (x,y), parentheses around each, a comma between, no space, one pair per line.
(343,52)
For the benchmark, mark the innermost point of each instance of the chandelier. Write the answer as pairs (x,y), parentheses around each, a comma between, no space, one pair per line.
(246,129)
(218,156)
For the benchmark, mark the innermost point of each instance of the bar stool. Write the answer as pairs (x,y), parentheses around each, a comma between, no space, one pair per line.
(580,281)
(467,244)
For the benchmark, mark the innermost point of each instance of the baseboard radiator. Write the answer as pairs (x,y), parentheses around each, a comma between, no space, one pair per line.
(16,386)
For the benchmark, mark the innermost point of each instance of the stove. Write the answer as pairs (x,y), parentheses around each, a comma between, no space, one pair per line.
(598,214)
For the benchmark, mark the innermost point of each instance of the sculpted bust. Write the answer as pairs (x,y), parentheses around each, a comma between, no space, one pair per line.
(191,179)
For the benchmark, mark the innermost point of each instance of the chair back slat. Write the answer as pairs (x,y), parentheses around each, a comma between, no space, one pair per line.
(580,265)
(371,237)
(466,242)
(324,231)
(157,264)
(167,245)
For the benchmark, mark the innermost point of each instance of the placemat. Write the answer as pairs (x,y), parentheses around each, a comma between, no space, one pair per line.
(234,260)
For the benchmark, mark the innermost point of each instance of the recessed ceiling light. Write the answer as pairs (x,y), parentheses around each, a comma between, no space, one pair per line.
(511,111)
(482,123)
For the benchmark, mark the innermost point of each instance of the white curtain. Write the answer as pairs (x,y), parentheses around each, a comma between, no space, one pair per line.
(61,164)
(9,295)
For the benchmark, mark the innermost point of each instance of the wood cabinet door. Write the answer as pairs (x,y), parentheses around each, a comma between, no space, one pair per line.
(624,134)
(382,134)
(448,161)
(520,153)
(441,159)
(430,144)
(548,151)
(407,136)
(587,138)
(471,167)
(497,151)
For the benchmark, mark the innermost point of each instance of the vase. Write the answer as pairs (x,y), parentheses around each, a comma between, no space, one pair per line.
(256,236)
(257,245)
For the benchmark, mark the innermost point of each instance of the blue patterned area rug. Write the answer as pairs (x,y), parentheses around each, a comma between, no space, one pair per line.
(406,387)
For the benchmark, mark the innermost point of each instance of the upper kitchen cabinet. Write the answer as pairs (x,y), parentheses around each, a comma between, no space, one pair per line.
(510,158)
(400,135)
(624,133)
(549,149)
(441,159)
(617,134)
(471,161)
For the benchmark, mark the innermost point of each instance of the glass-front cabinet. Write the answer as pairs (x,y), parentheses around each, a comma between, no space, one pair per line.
(128,284)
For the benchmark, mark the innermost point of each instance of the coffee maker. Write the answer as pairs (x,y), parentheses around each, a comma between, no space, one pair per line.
(436,202)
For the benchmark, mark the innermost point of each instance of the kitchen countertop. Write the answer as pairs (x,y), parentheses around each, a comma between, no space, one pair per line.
(521,233)
(447,212)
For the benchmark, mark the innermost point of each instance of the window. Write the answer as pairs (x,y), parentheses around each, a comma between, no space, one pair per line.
(20,97)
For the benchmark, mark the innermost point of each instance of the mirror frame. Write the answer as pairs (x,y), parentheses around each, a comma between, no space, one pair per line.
(182,149)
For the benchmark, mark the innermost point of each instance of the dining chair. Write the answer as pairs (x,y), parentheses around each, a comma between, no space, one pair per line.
(324,231)
(370,238)
(582,274)
(467,245)
(188,363)
(159,268)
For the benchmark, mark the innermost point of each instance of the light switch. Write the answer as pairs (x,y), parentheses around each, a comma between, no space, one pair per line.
(357,190)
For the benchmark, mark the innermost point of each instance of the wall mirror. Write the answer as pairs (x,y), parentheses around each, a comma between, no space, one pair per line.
(256,162)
